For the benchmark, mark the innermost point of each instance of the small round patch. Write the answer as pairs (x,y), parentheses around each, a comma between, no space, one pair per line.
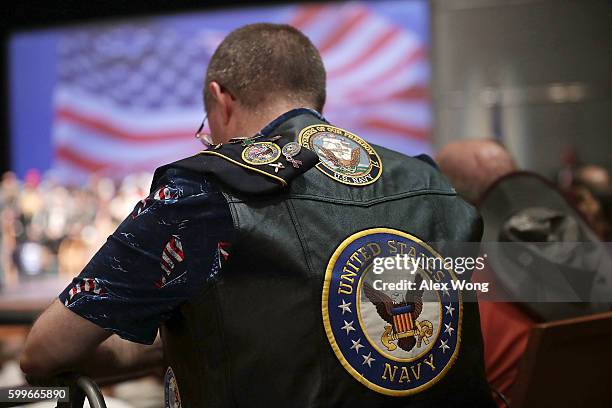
(291,149)
(395,330)
(344,156)
(172,398)
(259,153)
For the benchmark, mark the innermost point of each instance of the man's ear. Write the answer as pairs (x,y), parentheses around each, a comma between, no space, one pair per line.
(225,102)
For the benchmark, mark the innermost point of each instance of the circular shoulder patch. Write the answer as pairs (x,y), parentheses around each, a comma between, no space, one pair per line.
(259,153)
(344,156)
(172,398)
(395,326)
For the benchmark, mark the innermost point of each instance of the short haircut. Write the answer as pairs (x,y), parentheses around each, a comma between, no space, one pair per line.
(260,61)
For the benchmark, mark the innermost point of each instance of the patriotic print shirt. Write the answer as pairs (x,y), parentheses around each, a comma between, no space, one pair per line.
(166,251)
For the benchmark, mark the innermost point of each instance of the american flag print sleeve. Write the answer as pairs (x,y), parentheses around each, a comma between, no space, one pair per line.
(167,250)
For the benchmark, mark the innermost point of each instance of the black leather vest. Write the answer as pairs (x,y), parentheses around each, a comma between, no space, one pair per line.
(256,338)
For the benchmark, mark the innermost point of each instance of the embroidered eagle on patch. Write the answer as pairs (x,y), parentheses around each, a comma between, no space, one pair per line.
(402,315)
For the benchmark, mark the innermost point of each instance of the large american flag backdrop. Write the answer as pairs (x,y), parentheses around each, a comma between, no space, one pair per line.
(128,95)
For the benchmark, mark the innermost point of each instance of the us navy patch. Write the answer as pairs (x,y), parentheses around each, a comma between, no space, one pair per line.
(395,331)
(172,398)
(259,153)
(344,156)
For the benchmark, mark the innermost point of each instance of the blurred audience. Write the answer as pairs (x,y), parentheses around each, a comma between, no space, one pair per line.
(49,229)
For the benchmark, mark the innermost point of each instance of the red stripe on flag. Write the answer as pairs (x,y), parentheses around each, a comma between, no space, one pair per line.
(76,159)
(343,30)
(411,58)
(114,132)
(176,249)
(167,257)
(305,15)
(401,129)
(366,54)
(414,93)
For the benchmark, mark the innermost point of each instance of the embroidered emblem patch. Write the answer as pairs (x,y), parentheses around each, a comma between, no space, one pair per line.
(344,156)
(291,149)
(172,398)
(259,153)
(395,331)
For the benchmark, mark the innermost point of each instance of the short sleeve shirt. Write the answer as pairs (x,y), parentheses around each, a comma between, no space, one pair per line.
(165,252)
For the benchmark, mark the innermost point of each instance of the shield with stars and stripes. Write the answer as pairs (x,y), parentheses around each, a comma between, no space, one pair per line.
(402,319)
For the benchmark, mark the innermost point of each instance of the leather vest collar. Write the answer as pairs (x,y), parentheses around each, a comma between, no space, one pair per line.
(257,165)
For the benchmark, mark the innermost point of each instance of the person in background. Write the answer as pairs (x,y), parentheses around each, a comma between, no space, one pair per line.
(591,193)
(472,166)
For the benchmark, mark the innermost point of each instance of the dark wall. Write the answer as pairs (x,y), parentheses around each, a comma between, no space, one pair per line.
(547,65)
